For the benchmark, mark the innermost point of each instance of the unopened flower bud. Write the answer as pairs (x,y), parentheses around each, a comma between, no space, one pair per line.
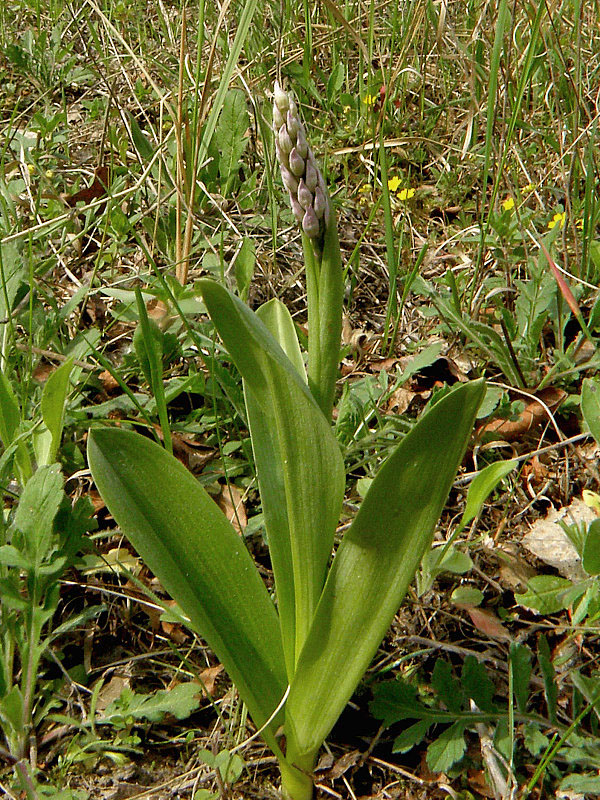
(297,163)
(293,123)
(301,143)
(310,179)
(297,209)
(284,139)
(289,181)
(320,203)
(305,197)
(310,223)
(282,100)
(278,118)
(299,170)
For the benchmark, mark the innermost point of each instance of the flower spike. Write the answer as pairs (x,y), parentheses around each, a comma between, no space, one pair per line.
(301,175)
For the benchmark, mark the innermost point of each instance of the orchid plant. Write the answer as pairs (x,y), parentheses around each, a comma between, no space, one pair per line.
(297,657)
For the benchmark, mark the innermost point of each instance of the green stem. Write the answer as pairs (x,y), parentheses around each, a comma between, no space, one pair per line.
(296,776)
(325,297)
(312,267)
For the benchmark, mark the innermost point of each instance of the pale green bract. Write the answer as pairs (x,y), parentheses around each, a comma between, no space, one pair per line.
(295,662)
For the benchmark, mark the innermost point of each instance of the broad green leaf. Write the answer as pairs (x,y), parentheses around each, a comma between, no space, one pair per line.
(590,406)
(38,506)
(12,712)
(276,317)
(299,464)
(446,686)
(411,736)
(10,418)
(545,593)
(504,739)
(481,487)
(394,701)
(441,559)
(589,688)
(231,130)
(467,596)
(534,740)
(230,765)
(200,560)
(376,562)
(140,140)
(11,557)
(13,272)
(336,81)
(477,684)
(47,440)
(520,661)
(180,701)
(447,749)
(10,414)
(579,785)
(271,477)
(243,266)
(591,549)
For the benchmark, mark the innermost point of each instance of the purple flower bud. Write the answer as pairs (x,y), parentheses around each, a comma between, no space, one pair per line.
(284,140)
(293,124)
(310,223)
(282,157)
(290,183)
(321,182)
(301,143)
(310,179)
(296,163)
(320,204)
(299,212)
(305,197)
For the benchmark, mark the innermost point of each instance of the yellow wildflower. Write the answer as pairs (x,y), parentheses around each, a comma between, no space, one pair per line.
(394,183)
(30,169)
(405,194)
(558,219)
(49,174)
(579,224)
(508,204)
(364,192)
(370,99)
(528,189)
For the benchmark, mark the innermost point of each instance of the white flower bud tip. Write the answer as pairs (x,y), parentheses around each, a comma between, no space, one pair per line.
(282,101)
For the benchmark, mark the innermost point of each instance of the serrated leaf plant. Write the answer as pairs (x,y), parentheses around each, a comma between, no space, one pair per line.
(297,659)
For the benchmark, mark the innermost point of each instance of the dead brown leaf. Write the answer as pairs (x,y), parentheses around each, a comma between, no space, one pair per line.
(231,503)
(97,189)
(208,678)
(109,383)
(535,413)
(487,622)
